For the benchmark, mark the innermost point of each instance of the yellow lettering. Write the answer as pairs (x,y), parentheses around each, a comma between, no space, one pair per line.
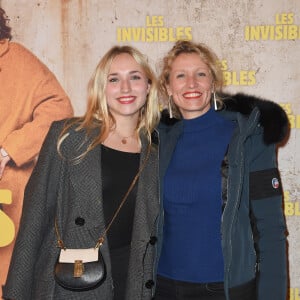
(289,208)
(247,33)
(237,78)
(294,294)
(297,295)
(126,34)
(119,35)
(277,19)
(293,32)
(163,37)
(227,78)
(179,33)
(136,34)
(286,195)
(264,30)
(290,18)
(234,78)
(287,108)
(188,33)
(292,208)
(156,32)
(149,35)
(298,121)
(255,33)
(154,21)
(243,77)
(297,209)
(223,64)
(292,121)
(7,227)
(284,18)
(283,30)
(160,21)
(252,78)
(153,34)
(279,34)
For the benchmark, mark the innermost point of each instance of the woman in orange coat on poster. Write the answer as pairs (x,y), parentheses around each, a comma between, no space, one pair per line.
(31,99)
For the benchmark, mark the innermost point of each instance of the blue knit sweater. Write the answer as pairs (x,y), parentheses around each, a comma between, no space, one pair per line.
(192,202)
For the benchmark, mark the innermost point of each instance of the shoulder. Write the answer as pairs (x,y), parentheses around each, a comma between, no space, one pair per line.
(273,118)
(29,62)
(72,137)
(166,123)
(18,49)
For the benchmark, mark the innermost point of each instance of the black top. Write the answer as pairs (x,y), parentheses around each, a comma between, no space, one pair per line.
(118,170)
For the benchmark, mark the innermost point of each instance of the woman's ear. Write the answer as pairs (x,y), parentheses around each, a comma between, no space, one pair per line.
(148,87)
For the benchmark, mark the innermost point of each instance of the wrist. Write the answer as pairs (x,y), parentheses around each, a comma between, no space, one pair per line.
(3,152)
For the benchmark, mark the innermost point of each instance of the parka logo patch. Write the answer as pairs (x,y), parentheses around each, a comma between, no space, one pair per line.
(264,184)
(275,183)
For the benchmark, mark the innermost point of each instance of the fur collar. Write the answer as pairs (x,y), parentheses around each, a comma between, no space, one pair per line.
(272,117)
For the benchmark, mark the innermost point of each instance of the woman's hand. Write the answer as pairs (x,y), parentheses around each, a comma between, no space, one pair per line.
(4,159)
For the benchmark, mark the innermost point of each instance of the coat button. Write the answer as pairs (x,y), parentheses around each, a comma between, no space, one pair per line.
(79,221)
(153,240)
(149,284)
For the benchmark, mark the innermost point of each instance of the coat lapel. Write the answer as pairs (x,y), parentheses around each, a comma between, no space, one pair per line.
(168,140)
(147,206)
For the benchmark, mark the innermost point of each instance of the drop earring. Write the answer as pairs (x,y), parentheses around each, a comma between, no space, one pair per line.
(215,100)
(170,107)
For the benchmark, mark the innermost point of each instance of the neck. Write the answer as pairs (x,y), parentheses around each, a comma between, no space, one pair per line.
(123,136)
(126,125)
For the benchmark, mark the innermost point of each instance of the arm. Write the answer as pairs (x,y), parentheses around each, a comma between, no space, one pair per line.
(38,211)
(37,99)
(266,202)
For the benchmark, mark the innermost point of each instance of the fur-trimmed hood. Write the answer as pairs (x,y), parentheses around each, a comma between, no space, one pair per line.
(272,117)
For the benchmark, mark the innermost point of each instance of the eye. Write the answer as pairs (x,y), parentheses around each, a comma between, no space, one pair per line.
(201,74)
(180,75)
(113,79)
(135,77)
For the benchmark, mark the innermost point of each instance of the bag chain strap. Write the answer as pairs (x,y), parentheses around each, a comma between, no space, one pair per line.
(100,241)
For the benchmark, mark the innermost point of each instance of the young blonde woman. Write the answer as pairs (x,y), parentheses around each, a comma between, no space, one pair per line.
(85,168)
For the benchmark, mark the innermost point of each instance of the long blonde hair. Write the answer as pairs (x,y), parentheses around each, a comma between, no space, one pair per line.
(204,52)
(98,115)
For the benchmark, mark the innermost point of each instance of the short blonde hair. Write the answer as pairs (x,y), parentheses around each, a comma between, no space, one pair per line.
(184,46)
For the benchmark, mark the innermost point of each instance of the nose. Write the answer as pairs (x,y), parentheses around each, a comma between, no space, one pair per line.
(191,81)
(125,86)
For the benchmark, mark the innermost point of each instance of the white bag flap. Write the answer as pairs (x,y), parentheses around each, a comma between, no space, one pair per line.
(86,255)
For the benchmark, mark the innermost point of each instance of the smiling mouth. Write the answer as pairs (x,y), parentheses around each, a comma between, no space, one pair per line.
(193,95)
(126,100)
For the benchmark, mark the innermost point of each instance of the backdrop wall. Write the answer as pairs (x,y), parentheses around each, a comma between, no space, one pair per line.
(257,41)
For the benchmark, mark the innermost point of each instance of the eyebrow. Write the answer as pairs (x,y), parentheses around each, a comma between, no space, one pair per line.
(130,73)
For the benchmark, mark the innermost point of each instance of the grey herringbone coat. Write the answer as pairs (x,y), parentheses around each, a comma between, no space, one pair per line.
(61,188)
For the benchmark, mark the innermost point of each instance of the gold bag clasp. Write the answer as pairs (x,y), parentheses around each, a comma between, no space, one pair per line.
(78,268)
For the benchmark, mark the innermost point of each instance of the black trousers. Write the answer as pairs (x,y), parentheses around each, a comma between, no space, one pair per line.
(168,289)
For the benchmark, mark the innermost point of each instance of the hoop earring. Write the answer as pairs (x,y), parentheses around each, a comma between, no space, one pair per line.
(215,100)
(170,107)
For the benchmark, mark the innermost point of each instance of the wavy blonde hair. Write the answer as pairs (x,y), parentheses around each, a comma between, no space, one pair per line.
(98,114)
(205,53)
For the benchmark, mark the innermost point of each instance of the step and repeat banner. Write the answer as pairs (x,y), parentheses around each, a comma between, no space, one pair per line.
(257,41)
